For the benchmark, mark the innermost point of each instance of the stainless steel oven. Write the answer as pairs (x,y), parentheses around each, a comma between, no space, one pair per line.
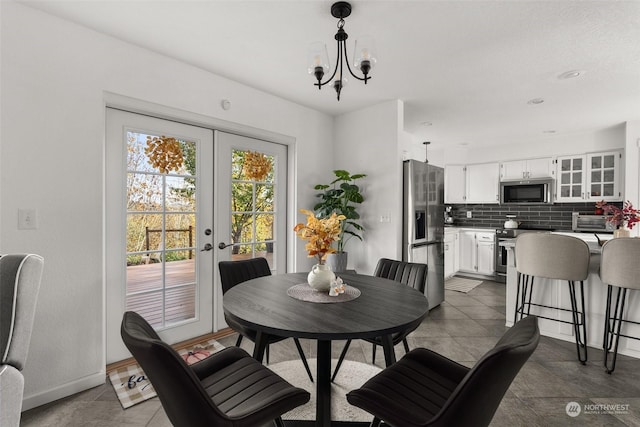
(502,235)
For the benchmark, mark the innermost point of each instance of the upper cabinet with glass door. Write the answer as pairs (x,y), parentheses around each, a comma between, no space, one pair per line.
(589,177)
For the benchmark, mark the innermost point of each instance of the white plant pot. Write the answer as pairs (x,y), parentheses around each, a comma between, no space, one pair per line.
(337,261)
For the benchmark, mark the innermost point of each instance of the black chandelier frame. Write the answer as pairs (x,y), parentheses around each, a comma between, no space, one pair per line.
(341,10)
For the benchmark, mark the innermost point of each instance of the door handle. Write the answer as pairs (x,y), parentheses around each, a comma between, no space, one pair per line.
(223,245)
(207,247)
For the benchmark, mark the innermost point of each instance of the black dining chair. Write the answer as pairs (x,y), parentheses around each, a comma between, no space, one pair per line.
(233,273)
(407,273)
(227,389)
(425,388)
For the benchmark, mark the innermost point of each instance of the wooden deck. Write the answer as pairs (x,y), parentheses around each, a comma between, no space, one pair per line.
(145,296)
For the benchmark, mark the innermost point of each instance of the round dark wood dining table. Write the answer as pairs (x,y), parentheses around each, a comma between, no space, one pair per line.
(384,307)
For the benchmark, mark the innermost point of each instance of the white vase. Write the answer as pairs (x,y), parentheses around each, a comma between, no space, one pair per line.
(320,277)
(622,232)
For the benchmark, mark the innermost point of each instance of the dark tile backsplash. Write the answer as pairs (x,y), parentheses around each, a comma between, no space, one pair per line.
(557,216)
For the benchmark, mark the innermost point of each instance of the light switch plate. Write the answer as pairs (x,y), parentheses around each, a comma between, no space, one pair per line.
(27,219)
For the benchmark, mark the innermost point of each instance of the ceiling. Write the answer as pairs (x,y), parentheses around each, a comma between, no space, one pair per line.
(467,68)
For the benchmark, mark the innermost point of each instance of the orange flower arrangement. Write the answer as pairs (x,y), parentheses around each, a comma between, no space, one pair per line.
(256,166)
(164,153)
(319,234)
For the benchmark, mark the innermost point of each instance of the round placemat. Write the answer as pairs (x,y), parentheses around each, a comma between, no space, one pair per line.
(304,292)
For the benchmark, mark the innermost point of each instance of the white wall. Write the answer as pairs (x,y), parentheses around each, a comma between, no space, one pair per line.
(632,164)
(54,77)
(551,145)
(367,141)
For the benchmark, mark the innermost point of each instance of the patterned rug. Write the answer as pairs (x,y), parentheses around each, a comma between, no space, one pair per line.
(352,375)
(460,284)
(131,384)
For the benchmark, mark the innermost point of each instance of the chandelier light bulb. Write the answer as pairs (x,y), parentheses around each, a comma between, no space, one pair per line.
(364,55)
(318,60)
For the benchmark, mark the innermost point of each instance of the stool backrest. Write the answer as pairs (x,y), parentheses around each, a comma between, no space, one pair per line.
(552,256)
(620,262)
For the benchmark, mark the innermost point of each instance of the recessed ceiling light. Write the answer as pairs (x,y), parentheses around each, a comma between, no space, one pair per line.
(535,101)
(570,74)
(426,123)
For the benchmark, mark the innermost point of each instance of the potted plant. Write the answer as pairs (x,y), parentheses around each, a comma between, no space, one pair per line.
(320,233)
(622,218)
(341,196)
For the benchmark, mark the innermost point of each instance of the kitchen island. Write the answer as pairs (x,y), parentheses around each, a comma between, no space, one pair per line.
(557,294)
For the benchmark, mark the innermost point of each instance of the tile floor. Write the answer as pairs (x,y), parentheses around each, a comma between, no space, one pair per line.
(463,328)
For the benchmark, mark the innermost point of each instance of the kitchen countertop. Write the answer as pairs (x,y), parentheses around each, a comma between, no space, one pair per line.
(594,247)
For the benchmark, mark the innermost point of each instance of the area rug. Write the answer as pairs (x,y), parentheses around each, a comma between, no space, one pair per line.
(460,284)
(352,375)
(131,384)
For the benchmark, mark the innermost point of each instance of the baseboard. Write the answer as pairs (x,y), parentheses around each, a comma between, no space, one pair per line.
(81,384)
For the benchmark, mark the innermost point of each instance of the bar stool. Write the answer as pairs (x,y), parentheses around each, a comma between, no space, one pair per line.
(553,256)
(619,268)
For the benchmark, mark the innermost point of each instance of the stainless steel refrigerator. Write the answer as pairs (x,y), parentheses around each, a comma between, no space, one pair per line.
(423,223)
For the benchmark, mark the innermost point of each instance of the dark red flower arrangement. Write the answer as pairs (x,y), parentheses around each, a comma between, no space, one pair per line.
(626,217)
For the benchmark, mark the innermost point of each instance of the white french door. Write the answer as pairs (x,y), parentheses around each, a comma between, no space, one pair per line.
(159,221)
(252,221)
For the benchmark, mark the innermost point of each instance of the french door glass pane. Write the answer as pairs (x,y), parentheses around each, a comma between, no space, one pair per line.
(253,191)
(161,223)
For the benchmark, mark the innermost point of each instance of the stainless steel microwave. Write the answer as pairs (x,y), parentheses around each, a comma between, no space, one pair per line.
(593,223)
(530,191)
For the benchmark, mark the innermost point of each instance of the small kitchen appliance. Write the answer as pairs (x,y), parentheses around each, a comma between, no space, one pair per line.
(448,215)
(532,191)
(511,222)
(591,223)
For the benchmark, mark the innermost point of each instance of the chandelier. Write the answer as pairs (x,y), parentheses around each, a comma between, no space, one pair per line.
(364,57)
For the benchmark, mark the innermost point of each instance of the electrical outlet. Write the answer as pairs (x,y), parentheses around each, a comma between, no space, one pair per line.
(386,217)
(469,215)
(27,219)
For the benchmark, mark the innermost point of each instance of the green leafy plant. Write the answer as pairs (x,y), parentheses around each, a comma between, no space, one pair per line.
(342,196)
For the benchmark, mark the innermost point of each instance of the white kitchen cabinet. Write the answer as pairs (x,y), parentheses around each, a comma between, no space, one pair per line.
(451,261)
(486,258)
(483,183)
(455,187)
(476,183)
(467,250)
(527,169)
(589,177)
(477,252)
